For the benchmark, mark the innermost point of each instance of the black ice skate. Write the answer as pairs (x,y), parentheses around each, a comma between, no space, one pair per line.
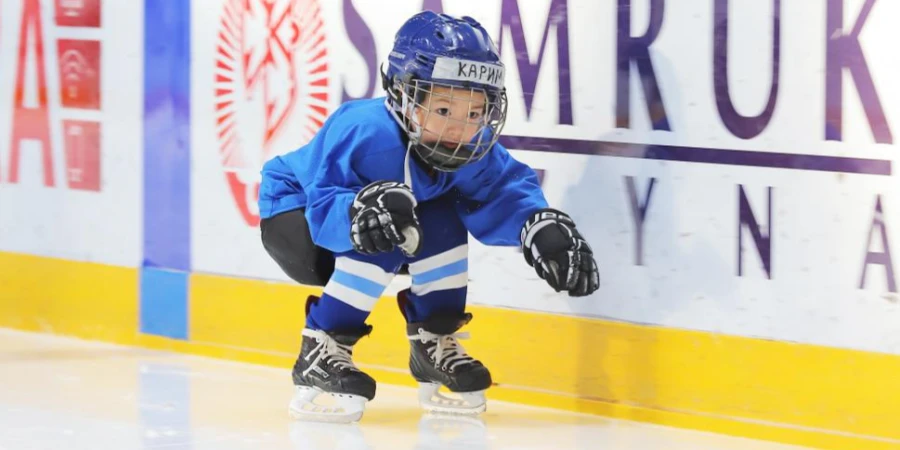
(437,359)
(325,367)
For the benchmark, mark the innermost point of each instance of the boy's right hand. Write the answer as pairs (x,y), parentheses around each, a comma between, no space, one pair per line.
(383,217)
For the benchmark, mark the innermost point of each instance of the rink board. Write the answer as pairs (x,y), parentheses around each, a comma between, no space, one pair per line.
(94,301)
(745,298)
(761,222)
(794,393)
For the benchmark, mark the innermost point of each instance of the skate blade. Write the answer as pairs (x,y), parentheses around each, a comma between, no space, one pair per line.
(467,403)
(308,435)
(444,421)
(314,405)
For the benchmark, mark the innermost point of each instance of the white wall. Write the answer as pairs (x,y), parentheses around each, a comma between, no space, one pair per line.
(97,222)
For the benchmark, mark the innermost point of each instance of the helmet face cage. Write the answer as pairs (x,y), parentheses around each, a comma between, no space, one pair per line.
(448,148)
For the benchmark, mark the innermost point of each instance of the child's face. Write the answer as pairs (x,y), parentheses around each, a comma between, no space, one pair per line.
(451,116)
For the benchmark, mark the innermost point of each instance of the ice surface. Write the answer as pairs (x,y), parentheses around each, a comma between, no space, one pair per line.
(61,393)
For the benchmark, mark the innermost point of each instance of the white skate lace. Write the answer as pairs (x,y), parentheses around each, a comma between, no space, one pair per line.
(447,349)
(329,350)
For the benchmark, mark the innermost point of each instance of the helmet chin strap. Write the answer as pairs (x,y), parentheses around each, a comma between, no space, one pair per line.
(407,172)
(415,134)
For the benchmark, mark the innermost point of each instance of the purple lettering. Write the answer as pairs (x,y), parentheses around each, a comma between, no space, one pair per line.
(637,49)
(879,258)
(845,51)
(433,5)
(762,240)
(638,213)
(744,127)
(528,72)
(361,37)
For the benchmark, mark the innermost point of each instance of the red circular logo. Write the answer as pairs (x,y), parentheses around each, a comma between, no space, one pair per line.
(271,87)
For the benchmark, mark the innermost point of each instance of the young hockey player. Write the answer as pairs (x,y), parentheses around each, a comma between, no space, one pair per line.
(399,181)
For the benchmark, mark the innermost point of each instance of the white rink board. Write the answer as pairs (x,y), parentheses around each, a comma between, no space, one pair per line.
(689,274)
(821,220)
(99,222)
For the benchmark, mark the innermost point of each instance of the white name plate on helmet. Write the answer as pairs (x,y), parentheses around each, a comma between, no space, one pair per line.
(464,70)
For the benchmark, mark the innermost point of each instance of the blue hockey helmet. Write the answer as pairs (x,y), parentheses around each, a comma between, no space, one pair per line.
(440,56)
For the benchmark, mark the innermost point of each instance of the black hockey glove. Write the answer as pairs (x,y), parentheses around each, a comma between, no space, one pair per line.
(559,254)
(383,217)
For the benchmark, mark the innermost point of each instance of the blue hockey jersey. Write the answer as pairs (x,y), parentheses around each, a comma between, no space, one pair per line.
(361,143)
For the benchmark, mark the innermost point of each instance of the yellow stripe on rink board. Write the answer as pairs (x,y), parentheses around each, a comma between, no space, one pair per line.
(93,301)
(246,314)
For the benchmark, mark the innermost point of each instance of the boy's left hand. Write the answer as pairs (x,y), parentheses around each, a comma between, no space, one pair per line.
(559,253)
